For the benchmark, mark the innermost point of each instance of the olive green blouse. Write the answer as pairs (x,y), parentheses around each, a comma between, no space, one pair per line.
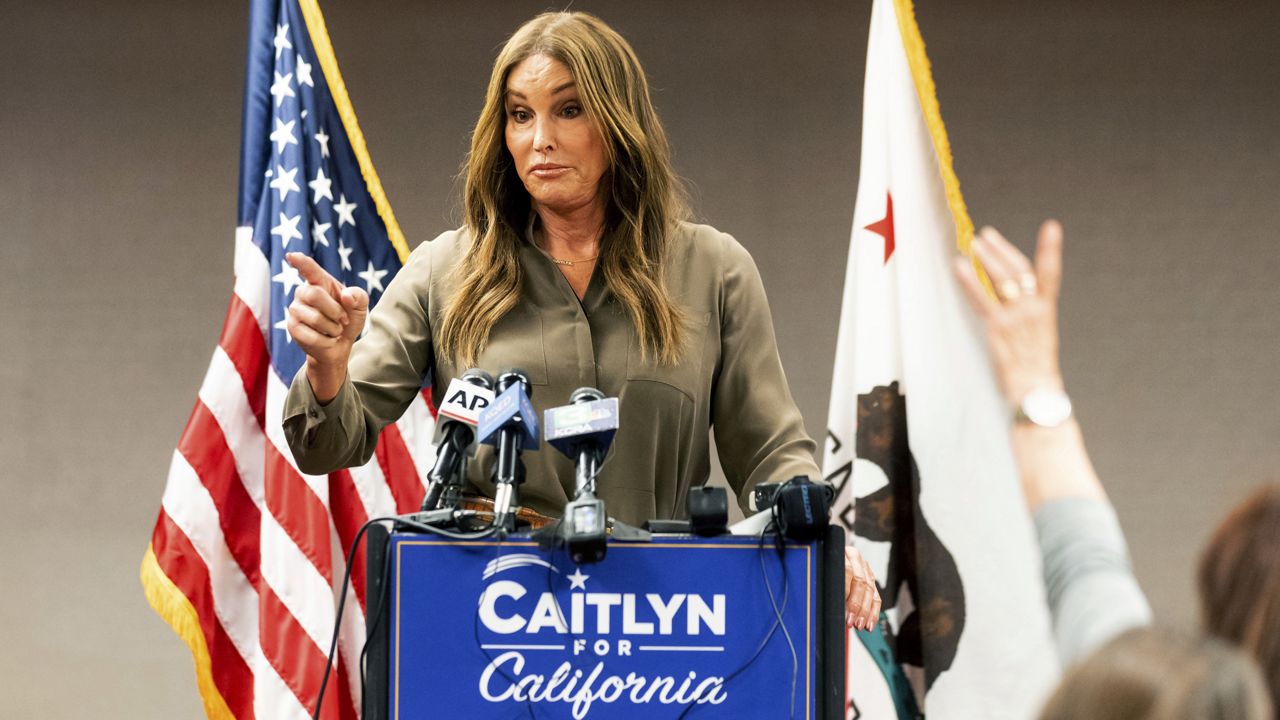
(730,378)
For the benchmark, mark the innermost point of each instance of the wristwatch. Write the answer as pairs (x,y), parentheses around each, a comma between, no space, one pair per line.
(1044,408)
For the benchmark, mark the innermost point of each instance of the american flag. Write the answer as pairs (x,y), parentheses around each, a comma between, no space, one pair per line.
(248,553)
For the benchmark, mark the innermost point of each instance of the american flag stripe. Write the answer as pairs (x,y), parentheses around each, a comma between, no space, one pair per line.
(343,692)
(239,422)
(302,515)
(247,351)
(204,448)
(351,638)
(417,426)
(348,515)
(251,270)
(228,672)
(247,550)
(396,463)
(191,511)
(303,590)
(298,660)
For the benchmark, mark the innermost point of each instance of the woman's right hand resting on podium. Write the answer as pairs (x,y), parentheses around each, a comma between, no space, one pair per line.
(325,319)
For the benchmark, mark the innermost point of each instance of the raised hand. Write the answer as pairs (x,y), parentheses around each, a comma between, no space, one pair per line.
(325,319)
(1022,320)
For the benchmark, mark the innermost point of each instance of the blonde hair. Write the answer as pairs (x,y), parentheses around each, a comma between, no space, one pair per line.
(1152,674)
(645,200)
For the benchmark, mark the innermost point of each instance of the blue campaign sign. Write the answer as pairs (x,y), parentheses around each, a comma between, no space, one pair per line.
(680,627)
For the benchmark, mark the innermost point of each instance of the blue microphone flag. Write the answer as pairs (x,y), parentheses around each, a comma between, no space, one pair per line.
(512,406)
(569,426)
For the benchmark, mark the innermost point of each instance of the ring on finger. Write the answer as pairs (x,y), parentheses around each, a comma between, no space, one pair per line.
(1008,290)
(1027,284)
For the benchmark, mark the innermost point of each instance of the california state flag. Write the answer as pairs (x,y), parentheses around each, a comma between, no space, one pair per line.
(918,444)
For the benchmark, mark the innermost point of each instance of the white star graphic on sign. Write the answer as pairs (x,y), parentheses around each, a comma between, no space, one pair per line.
(282,40)
(372,277)
(287,229)
(283,136)
(318,230)
(304,72)
(321,187)
(577,581)
(346,211)
(324,143)
(288,277)
(284,181)
(283,326)
(282,88)
(344,253)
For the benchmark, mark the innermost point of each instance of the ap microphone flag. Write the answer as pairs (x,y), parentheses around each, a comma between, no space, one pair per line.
(464,401)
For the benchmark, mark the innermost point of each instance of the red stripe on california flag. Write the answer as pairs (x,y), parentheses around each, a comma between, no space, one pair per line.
(243,342)
(289,649)
(178,558)
(300,513)
(426,396)
(205,448)
(348,515)
(399,470)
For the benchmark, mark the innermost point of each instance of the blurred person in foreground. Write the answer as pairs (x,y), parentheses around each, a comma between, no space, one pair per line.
(575,263)
(1091,590)
(1118,667)
(1158,674)
(1239,581)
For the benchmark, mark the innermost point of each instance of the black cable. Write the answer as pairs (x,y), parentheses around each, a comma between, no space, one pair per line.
(346,582)
(475,632)
(372,627)
(777,620)
(777,612)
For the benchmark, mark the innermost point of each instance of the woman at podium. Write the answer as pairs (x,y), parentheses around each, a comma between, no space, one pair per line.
(575,263)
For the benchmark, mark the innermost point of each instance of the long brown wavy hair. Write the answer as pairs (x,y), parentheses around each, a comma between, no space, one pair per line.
(645,198)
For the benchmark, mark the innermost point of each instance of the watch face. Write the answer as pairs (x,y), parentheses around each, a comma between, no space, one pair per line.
(1046,408)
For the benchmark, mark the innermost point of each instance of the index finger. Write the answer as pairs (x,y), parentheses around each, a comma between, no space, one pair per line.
(311,271)
(1049,258)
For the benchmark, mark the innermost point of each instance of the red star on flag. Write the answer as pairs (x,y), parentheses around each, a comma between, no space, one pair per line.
(884,227)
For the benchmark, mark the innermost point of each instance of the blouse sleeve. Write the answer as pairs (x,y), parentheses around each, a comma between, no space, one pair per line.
(1090,587)
(387,367)
(760,435)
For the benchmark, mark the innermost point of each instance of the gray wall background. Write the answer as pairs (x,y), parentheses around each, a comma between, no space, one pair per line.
(1149,128)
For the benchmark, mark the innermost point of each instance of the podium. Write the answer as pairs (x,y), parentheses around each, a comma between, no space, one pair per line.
(678,627)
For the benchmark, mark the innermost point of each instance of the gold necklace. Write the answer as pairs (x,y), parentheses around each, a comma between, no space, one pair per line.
(566,263)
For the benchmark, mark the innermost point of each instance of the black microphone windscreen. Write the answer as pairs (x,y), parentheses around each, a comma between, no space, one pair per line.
(585,395)
(476,376)
(511,377)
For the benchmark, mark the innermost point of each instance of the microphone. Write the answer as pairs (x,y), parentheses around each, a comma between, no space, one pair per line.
(455,437)
(511,425)
(583,430)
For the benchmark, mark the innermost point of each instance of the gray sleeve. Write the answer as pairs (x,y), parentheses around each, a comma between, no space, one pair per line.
(1092,593)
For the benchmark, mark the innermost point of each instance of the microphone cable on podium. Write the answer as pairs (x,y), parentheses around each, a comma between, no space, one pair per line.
(778,621)
(376,616)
